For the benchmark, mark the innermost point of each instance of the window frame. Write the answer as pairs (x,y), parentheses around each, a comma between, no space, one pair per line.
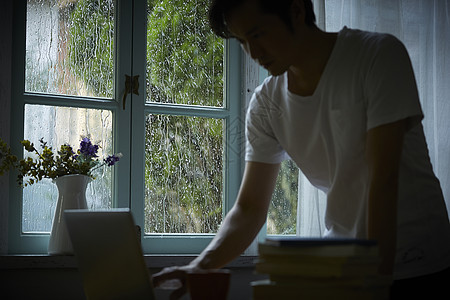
(29,243)
(230,112)
(128,135)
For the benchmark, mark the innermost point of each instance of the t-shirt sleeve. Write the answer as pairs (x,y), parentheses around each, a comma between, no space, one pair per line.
(391,89)
(261,144)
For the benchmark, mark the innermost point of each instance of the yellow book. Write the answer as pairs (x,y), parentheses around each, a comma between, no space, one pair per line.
(268,290)
(349,282)
(314,269)
(318,247)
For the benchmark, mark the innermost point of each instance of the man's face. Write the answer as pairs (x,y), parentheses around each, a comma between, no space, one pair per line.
(264,36)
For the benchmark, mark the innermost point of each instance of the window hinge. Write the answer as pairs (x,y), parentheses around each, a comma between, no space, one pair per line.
(131,86)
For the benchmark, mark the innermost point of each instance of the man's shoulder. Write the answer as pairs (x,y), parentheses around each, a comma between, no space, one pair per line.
(270,85)
(362,49)
(267,97)
(369,40)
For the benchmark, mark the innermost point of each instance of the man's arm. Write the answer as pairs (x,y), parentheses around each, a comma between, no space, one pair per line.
(384,148)
(240,226)
(245,219)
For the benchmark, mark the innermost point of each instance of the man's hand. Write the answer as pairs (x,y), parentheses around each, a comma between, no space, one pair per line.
(174,278)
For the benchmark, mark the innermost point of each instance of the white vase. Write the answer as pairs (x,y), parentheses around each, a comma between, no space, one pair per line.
(71,195)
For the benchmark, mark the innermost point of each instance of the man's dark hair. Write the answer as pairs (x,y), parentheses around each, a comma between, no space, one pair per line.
(219,9)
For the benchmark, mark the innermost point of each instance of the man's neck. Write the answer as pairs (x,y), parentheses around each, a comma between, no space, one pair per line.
(304,76)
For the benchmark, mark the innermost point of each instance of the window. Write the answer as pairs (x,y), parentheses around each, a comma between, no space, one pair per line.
(191,152)
(180,134)
(180,131)
(62,41)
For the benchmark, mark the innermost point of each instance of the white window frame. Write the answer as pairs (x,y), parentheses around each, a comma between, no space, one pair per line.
(129,131)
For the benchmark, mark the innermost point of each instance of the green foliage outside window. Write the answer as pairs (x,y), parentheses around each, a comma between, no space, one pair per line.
(184,57)
(91,43)
(184,155)
(184,166)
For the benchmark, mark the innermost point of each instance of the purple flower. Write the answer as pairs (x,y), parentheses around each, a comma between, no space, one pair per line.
(87,148)
(111,160)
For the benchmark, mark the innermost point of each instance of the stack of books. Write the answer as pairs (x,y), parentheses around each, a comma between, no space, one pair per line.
(322,268)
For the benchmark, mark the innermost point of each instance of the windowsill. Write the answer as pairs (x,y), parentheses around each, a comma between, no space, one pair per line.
(43,261)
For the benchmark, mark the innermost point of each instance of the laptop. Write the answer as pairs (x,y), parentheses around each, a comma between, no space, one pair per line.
(109,254)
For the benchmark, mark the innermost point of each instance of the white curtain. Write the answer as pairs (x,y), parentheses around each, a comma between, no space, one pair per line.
(424,28)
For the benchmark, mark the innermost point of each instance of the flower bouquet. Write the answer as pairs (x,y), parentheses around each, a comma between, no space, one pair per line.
(48,165)
(70,171)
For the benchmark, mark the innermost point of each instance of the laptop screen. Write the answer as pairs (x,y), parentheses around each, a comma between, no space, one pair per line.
(109,254)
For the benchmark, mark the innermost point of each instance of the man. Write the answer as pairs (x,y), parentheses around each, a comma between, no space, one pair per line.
(344,106)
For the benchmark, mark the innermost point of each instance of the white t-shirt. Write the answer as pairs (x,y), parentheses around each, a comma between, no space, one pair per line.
(368,81)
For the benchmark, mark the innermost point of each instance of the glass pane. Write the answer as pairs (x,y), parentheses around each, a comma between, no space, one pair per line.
(184,57)
(183,174)
(69,47)
(282,216)
(58,126)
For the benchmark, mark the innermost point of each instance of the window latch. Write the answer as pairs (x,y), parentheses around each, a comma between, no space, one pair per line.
(131,86)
